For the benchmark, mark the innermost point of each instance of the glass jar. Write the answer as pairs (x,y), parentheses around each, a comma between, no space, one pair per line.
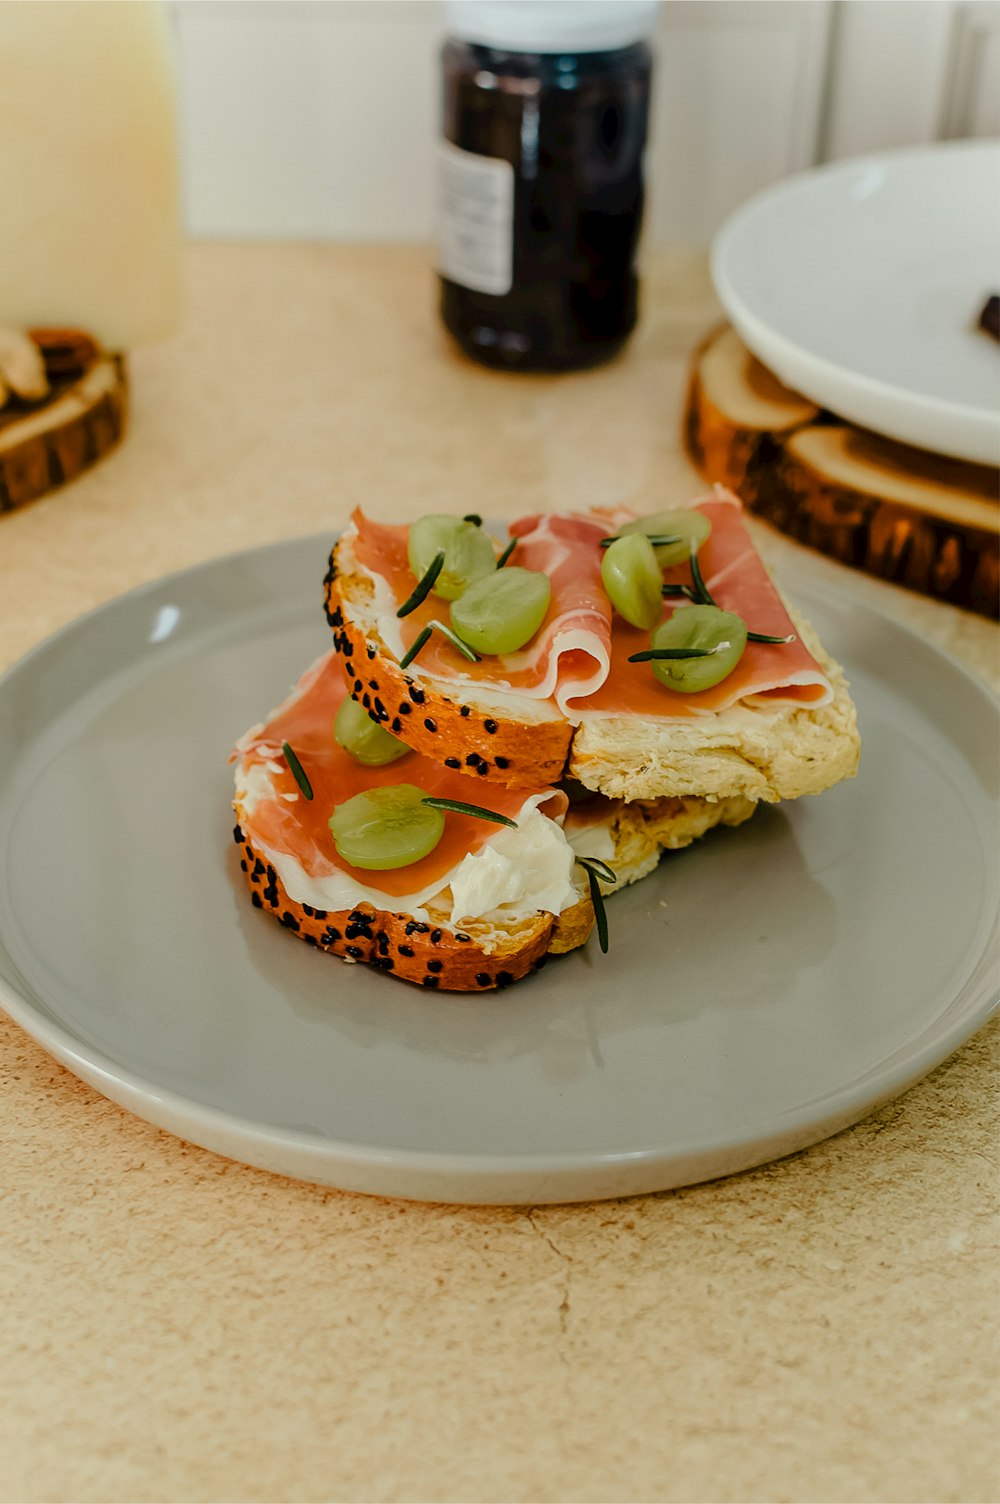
(541,178)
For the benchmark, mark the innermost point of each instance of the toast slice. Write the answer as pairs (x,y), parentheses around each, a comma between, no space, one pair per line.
(425,938)
(643,744)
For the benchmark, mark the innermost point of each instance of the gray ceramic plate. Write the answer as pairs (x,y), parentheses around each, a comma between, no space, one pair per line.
(764,989)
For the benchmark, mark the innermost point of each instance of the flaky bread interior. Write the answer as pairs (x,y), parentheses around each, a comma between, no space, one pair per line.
(742,752)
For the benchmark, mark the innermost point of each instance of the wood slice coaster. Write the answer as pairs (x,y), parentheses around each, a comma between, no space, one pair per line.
(919,519)
(45,444)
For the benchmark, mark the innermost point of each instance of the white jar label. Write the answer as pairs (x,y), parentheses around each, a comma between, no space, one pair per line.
(475,220)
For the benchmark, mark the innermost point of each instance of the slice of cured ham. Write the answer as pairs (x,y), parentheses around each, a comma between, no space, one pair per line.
(578,660)
(282,821)
(768,674)
(569,655)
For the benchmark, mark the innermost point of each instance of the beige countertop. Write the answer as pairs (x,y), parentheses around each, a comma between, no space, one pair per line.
(174,1326)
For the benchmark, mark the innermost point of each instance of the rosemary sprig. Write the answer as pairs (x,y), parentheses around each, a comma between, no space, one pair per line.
(297,771)
(459,807)
(702,593)
(418,642)
(474,518)
(423,636)
(507,553)
(424,586)
(597,899)
(456,641)
(604,872)
(658,540)
(650,655)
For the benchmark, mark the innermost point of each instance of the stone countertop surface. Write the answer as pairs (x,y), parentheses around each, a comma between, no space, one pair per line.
(175,1326)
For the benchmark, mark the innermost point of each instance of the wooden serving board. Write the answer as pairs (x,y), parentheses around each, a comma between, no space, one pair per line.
(45,444)
(924,521)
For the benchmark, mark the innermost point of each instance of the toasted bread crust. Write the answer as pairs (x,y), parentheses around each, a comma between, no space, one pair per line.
(475,739)
(428,955)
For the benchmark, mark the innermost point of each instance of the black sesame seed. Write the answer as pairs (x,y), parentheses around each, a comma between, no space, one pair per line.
(348,646)
(289,921)
(370,649)
(461,937)
(258,867)
(406,950)
(256,900)
(307,909)
(271,897)
(243,863)
(373,684)
(430,981)
(366,700)
(358,687)
(473,759)
(502,762)
(405,709)
(359,916)
(319,913)
(416,927)
(397,724)
(386,963)
(349,670)
(417,695)
(504,978)
(483,769)
(430,724)
(436,936)
(483,978)
(382,941)
(330,935)
(435,965)
(355,952)
(358,932)
(237,834)
(310,939)
(464,710)
(453,762)
(490,726)
(338,615)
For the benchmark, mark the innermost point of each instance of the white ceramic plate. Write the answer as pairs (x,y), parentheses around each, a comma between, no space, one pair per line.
(764,989)
(860,284)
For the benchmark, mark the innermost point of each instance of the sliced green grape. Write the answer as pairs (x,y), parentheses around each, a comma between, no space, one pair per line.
(633,580)
(468,553)
(504,611)
(387,827)
(720,635)
(690,526)
(366,741)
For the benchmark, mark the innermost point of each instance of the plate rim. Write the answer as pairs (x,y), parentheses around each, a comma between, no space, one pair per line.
(209,1126)
(773,347)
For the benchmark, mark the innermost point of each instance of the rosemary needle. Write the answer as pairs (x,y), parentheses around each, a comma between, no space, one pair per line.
(297,771)
(459,807)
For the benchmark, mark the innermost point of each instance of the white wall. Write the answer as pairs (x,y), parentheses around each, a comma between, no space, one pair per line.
(316,118)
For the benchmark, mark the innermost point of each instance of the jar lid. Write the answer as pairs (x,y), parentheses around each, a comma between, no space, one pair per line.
(552,25)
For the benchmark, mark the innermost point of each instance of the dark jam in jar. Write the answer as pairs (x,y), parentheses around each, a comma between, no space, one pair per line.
(541,202)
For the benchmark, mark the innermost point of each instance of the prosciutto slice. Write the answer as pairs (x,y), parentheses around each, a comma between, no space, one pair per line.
(570,654)
(768,675)
(285,822)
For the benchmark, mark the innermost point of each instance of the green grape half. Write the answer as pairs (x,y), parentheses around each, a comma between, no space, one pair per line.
(633,579)
(708,628)
(690,526)
(468,553)
(387,827)
(367,742)
(502,612)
